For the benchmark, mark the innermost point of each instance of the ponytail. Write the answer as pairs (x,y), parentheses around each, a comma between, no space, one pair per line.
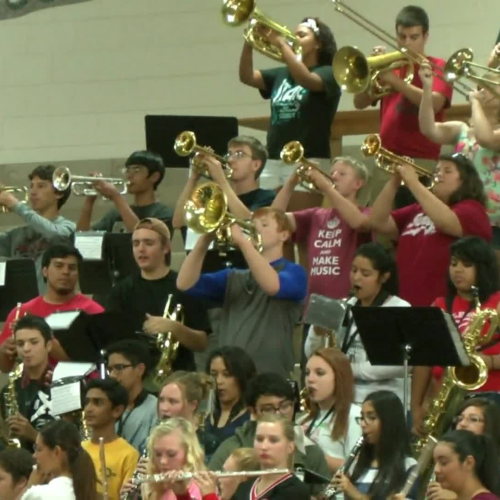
(80,465)
(483,450)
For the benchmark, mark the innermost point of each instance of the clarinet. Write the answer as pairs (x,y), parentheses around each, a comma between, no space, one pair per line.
(134,493)
(331,491)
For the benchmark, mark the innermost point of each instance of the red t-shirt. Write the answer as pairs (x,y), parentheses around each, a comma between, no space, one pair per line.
(39,307)
(423,254)
(399,128)
(331,244)
(462,314)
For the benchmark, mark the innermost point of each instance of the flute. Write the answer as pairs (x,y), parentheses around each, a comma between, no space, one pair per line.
(102,456)
(158,478)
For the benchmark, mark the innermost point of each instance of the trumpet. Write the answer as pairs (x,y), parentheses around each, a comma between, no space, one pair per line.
(391,41)
(236,12)
(81,185)
(292,153)
(160,477)
(206,212)
(14,189)
(387,161)
(185,145)
(357,73)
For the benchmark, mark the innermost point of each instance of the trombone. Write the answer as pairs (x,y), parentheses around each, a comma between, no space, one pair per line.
(236,12)
(391,41)
(292,153)
(81,185)
(14,189)
(185,145)
(387,161)
(206,212)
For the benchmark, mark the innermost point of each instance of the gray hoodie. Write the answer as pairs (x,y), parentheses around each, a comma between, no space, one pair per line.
(311,458)
(30,241)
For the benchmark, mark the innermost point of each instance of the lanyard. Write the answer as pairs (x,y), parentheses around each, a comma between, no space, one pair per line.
(311,425)
(137,402)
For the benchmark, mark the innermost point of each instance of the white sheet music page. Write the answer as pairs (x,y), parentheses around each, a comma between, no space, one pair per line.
(3,269)
(90,245)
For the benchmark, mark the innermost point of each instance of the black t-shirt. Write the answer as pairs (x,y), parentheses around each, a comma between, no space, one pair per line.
(299,114)
(292,488)
(136,296)
(112,221)
(257,198)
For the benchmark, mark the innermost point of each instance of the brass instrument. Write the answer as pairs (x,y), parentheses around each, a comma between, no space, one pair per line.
(388,161)
(331,491)
(160,477)
(457,381)
(167,344)
(81,185)
(304,401)
(206,212)
(390,41)
(292,153)
(356,73)
(185,145)
(14,189)
(460,65)
(237,12)
(104,474)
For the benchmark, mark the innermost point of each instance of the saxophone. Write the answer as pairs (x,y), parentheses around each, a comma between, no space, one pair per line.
(167,344)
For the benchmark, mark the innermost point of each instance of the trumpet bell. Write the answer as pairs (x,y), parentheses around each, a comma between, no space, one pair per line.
(206,209)
(61,178)
(371,145)
(185,143)
(456,66)
(292,152)
(237,12)
(351,70)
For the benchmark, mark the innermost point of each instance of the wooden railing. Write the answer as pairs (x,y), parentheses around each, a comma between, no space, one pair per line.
(355,123)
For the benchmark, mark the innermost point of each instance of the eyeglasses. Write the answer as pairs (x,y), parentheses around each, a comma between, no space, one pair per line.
(236,155)
(472,419)
(283,407)
(117,368)
(368,419)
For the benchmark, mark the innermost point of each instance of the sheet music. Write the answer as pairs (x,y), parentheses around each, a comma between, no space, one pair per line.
(90,245)
(66,398)
(325,312)
(72,369)
(62,320)
(3,269)
(457,339)
(192,238)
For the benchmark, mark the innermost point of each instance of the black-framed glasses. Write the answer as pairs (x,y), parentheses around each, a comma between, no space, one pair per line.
(236,155)
(118,368)
(472,419)
(368,419)
(283,407)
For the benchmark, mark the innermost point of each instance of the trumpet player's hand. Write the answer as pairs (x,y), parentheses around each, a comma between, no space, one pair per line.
(425,73)
(8,348)
(8,200)
(237,235)
(494,59)
(407,174)
(207,482)
(157,324)
(274,38)
(436,492)
(319,180)
(20,427)
(378,50)
(215,169)
(106,189)
(293,180)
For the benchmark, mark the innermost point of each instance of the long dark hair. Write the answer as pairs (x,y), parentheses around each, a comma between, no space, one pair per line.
(66,436)
(482,449)
(327,40)
(474,250)
(491,413)
(240,366)
(472,187)
(392,449)
(383,262)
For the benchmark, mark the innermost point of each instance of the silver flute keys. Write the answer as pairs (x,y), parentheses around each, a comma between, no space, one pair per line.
(158,478)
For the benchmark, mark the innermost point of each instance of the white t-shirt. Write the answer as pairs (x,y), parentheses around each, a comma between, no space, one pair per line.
(320,432)
(60,488)
(367,378)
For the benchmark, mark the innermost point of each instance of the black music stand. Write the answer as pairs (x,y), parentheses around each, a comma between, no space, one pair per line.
(21,285)
(99,276)
(213,131)
(409,336)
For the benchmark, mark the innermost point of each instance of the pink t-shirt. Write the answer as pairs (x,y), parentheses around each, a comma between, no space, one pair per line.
(193,493)
(423,254)
(331,244)
(399,128)
(462,315)
(39,307)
